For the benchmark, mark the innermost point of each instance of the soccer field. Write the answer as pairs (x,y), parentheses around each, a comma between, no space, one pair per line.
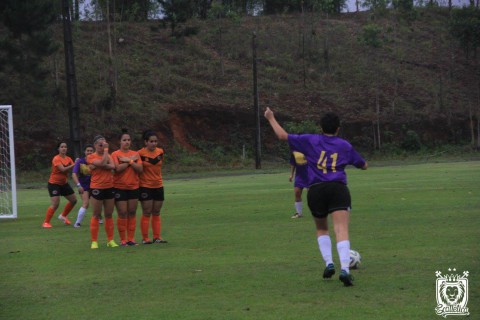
(234,252)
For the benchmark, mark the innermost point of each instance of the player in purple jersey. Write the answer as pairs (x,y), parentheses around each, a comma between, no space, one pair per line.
(327,156)
(298,166)
(81,176)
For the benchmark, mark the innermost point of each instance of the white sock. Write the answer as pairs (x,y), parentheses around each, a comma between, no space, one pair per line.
(298,207)
(81,214)
(343,248)
(325,245)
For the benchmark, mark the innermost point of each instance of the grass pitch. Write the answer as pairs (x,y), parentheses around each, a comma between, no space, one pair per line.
(234,252)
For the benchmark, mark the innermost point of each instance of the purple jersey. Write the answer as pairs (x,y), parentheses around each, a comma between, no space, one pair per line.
(327,156)
(301,170)
(82,171)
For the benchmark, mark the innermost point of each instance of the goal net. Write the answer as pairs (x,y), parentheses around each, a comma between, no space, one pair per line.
(8,189)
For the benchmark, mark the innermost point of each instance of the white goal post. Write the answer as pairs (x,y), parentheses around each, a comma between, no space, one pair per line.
(8,186)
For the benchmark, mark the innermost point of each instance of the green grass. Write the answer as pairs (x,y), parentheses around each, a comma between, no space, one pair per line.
(234,252)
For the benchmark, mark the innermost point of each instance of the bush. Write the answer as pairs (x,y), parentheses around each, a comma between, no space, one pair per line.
(412,141)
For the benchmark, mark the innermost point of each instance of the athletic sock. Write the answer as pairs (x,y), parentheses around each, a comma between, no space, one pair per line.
(144,225)
(94,228)
(298,207)
(325,245)
(68,207)
(343,248)
(81,214)
(132,225)
(122,229)
(156,226)
(49,214)
(109,227)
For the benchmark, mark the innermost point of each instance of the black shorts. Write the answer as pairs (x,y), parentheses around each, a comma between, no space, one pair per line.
(327,197)
(125,195)
(56,190)
(102,194)
(156,194)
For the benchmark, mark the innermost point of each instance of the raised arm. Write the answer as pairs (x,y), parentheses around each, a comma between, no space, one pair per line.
(277,128)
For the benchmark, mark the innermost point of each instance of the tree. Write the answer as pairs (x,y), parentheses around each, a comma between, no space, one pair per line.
(372,38)
(378,7)
(326,6)
(177,11)
(76,10)
(403,5)
(465,26)
(202,7)
(125,10)
(280,6)
(25,44)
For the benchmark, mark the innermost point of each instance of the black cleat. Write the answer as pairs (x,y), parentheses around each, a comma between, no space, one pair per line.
(346,278)
(329,271)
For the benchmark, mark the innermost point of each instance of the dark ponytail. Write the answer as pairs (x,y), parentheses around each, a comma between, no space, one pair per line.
(147,134)
(124,131)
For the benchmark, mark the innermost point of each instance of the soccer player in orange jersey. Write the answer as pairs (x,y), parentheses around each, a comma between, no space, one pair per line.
(151,187)
(128,166)
(101,190)
(58,186)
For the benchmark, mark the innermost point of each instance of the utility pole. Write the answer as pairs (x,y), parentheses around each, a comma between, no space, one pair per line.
(303,48)
(258,151)
(73,110)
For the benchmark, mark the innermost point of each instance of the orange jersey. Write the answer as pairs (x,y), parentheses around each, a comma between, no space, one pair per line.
(128,178)
(151,177)
(101,178)
(58,177)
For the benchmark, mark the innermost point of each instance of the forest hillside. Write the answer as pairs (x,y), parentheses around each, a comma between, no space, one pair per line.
(395,82)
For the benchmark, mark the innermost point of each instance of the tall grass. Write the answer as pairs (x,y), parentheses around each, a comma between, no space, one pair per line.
(234,252)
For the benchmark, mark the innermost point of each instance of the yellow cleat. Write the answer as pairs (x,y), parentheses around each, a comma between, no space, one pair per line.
(112,244)
(94,245)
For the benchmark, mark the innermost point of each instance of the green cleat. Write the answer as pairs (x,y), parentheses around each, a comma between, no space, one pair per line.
(94,245)
(112,244)
(329,271)
(346,278)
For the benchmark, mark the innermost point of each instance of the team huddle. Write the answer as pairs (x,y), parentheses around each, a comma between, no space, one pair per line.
(108,181)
